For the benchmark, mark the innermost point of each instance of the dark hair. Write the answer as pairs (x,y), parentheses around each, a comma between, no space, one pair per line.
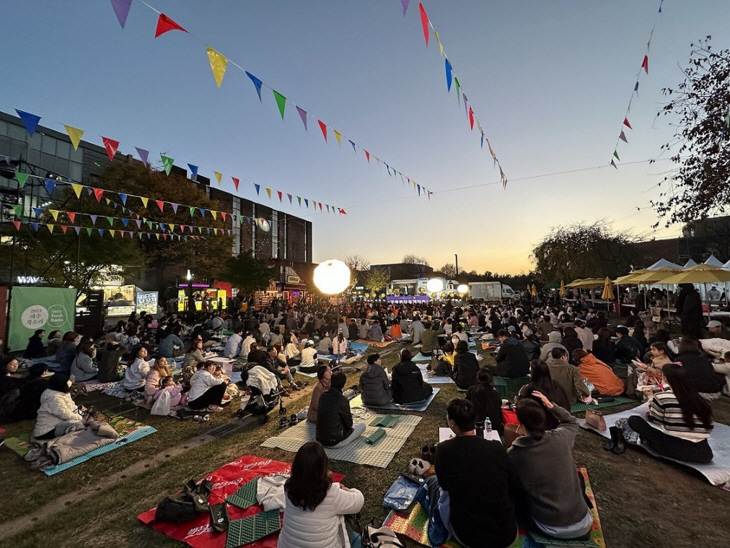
(52,333)
(339,379)
(662,347)
(502,333)
(578,355)
(462,346)
(7,361)
(661,335)
(604,335)
(690,345)
(690,401)
(448,347)
(70,336)
(569,332)
(558,353)
(405,355)
(39,331)
(321,371)
(163,381)
(484,376)
(462,412)
(59,383)
(310,480)
(532,416)
(372,358)
(87,347)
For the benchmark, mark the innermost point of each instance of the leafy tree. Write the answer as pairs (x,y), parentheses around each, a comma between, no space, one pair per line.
(376,279)
(448,270)
(584,251)
(699,186)
(247,273)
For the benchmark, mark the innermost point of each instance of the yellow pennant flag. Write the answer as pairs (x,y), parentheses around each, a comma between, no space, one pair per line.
(218,64)
(112,232)
(75,135)
(414,185)
(441,46)
(55,213)
(77,189)
(338,135)
(214,213)
(172,227)
(144,200)
(268,191)
(157,235)
(50,228)
(218,177)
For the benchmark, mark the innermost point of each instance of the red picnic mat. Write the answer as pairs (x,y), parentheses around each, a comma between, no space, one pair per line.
(226,480)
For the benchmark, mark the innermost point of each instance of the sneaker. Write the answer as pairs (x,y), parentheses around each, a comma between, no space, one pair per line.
(214,409)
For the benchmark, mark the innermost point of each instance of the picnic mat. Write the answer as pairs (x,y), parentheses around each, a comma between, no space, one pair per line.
(379,344)
(419,406)
(436,379)
(421,358)
(128,430)
(361,347)
(414,524)
(717,472)
(378,454)
(226,481)
(618,400)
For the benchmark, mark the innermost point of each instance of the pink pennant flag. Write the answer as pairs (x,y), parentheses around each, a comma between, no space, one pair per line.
(424,22)
(236,182)
(111,147)
(323,127)
(165,24)
(645,64)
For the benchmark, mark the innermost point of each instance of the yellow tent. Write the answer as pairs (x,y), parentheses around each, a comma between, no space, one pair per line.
(588,283)
(656,276)
(607,294)
(699,274)
(534,290)
(562,288)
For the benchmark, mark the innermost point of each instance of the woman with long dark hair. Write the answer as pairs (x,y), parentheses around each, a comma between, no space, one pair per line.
(680,420)
(486,400)
(603,347)
(315,506)
(541,381)
(466,366)
(699,368)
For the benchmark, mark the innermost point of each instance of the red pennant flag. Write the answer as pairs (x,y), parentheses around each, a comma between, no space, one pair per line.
(471,118)
(367,155)
(279,193)
(165,236)
(160,204)
(111,147)
(323,127)
(320,206)
(223,214)
(16,224)
(98,193)
(165,24)
(626,123)
(64,228)
(424,22)
(343,212)
(71,215)
(236,182)
(645,64)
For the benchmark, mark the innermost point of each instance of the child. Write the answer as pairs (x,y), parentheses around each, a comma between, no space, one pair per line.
(177,398)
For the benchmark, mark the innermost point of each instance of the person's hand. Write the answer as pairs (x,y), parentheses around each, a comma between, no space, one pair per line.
(546,402)
(638,363)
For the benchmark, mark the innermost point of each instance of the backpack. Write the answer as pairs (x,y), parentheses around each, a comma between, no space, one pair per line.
(185,505)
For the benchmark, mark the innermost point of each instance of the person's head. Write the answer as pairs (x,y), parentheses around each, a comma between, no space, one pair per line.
(484,376)
(460,415)
(532,416)
(405,355)
(559,354)
(86,347)
(569,332)
(161,364)
(659,348)
(714,327)
(539,371)
(196,344)
(167,381)
(310,479)
(132,330)
(502,334)
(690,401)
(71,336)
(374,358)
(622,332)
(604,335)
(254,346)
(10,366)
(271,350)
(309,344)
(461,347)
(578,323)
(39,333)
(690,345)
(55,334)
(578,355)
(324,373)
(37,370)
(338,380)
(59,383)
(554,337)
(139,351)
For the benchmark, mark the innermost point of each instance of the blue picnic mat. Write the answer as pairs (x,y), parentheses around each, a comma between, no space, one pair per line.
(359,347)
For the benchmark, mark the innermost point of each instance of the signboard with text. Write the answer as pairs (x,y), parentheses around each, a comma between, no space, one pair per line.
(32,308)
(147,302)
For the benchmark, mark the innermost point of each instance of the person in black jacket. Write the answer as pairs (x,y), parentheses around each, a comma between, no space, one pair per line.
(29,397)
(353,331)
(486,400)
(407,383)
(689,307)
(35,347)
(700,373)
(108,359)
(511,359)
(465,366)
(335,427)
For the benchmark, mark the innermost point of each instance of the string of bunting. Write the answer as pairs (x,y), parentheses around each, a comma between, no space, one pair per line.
(91,231)
(635,93)
(219,65)
(30,121)
(453,81)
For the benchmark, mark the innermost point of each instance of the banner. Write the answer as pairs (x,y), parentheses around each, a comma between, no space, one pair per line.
(31,308)
(147,302)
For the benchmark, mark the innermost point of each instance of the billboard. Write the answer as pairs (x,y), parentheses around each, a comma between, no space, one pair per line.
(147,302)
(32,308)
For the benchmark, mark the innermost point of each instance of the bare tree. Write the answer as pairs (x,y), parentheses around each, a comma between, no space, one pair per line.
(414,259)
(357,263)
(448,270)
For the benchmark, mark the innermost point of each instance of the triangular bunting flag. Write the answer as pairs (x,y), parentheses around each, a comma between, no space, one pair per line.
(353,146)
(121,10)
(35,226)
(299,199)
(18,210)
(193,171)
(613,164)
(218,177)
(268,191)
(303,116)
(139,223)
(88,231)
(214,213)
(256,82)
(122,197)
(290,197)
(77,229)
(38,211)
(144,155)
(167,163)
(202,212)
(174,207)
(30,121)
(98,193)
(50,185)
(77,189)
(64,228)
(111,147)
(328,208)
(338,135)
(144,200)
(125,222)
(457,85)
(71,216)
(320,206)
(112,232)
(258,188)
(75,135)
(192,211)
(448,75)
(626,123)
(280,102)
(93,219)
(306,203)
(404,5)
(471,118)
(236,182)
(50,228)
(110,220)
(54,213)
(279,194)
(160,204)
(22,178)
(218,64)
(623,136)
(424,22)
(367,155)
(615,153)
(645,64)
(165,24)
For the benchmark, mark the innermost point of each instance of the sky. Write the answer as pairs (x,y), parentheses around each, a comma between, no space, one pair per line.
(549,82)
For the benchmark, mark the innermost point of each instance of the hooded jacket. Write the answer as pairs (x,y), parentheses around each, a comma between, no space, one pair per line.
(408,385)
(512,359)
(375,386)
(56,407)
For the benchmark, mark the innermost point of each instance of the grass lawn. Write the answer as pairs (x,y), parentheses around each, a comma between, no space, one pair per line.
(642,501)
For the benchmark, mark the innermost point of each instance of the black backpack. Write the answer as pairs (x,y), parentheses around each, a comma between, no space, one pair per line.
(185,505)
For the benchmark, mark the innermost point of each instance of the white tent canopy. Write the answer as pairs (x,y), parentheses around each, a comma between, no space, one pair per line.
(690,263)
(713,261)
(726,266)
(662,263)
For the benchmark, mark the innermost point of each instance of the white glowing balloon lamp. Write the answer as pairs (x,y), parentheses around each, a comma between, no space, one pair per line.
(434,285)
(463,289)
(332,277)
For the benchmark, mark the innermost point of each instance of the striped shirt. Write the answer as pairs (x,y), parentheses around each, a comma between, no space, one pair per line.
(666,413)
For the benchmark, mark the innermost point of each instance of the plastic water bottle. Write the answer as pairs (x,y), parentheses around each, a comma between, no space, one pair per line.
(487,425)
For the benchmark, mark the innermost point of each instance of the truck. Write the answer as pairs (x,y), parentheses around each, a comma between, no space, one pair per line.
(491,291)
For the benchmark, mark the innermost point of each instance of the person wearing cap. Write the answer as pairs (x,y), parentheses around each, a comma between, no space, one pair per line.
(717,330)
(309,358)
(627,348)
(531,344)
(374,383)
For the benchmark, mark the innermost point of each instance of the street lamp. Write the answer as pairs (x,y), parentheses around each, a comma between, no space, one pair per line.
(189,278)
(463,289)
(332,277)
(456,261)
(434,285)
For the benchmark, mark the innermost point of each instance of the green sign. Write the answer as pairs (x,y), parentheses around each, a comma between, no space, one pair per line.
(31,308)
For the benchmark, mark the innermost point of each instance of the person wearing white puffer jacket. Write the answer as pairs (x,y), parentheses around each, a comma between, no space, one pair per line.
(58,414)
(314,515)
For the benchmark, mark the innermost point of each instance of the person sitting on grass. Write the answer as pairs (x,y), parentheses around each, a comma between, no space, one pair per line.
(109,358)
(471,496)
(136,374)
(543,460)
(541,381)
(206,390)
(58,414)
(324,375)
(309,358)
(315,506)
(600,375)
(279,368)
(335,426)
(177,397)
(83,367)
(54,341)
(466,366)
(193,357)
(486,400)
(159,371)
(374,383)
(567,376)
(35,348)
(511,358)
(407,382)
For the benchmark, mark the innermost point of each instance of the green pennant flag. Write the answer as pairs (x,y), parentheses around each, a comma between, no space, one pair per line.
(139,234)
(458,87)
(200,229)
(22,178)
(149,224)
(192,211)
(111,220)
(88,231)
(616,154)
(280,101)
(299,199)
(18,210)
(167,163)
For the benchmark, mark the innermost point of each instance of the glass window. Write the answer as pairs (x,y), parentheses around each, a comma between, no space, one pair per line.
(35,141)
(18,149)
(17,132)
(63,150)
(236,227)
(34,157)
(48,162)
(4,146)
(49,145)
(75,172)
(274,234)
(77,156)
(3,128)
(62,166)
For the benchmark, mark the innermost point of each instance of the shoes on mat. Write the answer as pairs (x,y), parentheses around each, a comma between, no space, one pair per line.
(214,409)
(419,466)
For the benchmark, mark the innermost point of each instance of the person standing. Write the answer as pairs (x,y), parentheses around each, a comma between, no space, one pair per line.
(689,308)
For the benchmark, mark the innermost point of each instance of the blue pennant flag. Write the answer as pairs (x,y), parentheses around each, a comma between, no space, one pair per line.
(448,75)
(256,82)
(194,171)
(38,211)
(36,226)
(125,222)
(30,121)
(50,185)
(122,197)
